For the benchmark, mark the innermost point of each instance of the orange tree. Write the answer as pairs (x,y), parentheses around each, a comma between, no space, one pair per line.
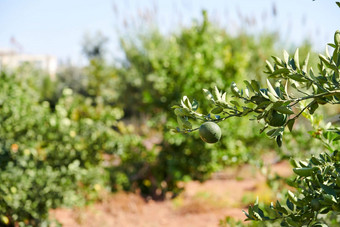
(292,89)
(50,156)
(157,71)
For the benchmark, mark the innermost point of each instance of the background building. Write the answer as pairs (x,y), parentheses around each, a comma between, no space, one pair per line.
(9,58)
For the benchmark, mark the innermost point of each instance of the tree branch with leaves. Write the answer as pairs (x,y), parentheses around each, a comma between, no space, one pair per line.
(292,89)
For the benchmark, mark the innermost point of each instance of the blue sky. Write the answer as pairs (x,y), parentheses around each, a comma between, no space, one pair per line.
(58,27)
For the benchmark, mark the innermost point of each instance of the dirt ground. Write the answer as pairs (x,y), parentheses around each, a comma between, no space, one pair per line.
(200,205)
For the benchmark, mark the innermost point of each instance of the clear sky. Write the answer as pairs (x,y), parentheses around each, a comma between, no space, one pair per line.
(57,27)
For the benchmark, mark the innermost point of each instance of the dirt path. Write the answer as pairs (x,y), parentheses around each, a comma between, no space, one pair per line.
(200,205)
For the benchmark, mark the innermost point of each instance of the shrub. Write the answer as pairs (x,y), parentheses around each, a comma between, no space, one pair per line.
(158,70)
(317,186)
(50,157)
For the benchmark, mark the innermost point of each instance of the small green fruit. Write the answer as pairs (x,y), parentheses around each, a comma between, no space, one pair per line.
(210,132)
(315,204)
(276,119)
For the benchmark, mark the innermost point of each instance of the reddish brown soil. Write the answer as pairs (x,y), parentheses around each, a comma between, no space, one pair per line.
(200,205)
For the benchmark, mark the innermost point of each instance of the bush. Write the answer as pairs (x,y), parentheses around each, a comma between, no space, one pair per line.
(158,70)
(50,157)
(317,182)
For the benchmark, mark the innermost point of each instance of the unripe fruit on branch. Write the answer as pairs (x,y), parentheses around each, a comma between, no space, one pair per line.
(276,119)
(210,132)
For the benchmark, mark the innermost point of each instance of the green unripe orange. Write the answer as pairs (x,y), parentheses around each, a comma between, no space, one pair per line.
(276,119)
(210,132)
(315,204)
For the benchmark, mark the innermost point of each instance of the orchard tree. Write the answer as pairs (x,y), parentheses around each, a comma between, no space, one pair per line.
(293,89)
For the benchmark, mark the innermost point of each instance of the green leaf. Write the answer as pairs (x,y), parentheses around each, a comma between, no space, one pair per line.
(329,198)
(183,123)
(272,97)
(327,52)
(319,225)
(181,112)
(279,140)
(183,104)
(315,161)
(292,197)
(280,208)
(186,124)
(311,74)
(278,89)
(251,212)
(286,89)
(284,109)
(278,104)
(255,85)
(297,77)
(338,3)
(305,64)
(271,89)
(329,190)
(194,105)
(217,110)
(248,216)
(224,97)
(303,163)
(208,95)
(285,56)
(277,60)
(234,102)
(290,124)
(264,93)
(291,222)
(275,132)
(269,107)
(269,67)
(303,171)
(271,132)
(250,87)
(271,213)
(179,121)
(338,181)
(246,91)
(294,163)
(313,107)
(187,102)
(218,95)
(324,60)
(296,58)
(257,216)
(280,71)
(235,90)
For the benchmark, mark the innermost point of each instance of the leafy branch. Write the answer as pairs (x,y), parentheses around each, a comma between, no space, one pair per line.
(318,180)
(272,104)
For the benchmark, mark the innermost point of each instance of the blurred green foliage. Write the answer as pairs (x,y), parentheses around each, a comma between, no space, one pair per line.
(49,157)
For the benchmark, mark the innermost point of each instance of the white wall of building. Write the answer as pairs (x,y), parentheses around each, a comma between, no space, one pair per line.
(12,59)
